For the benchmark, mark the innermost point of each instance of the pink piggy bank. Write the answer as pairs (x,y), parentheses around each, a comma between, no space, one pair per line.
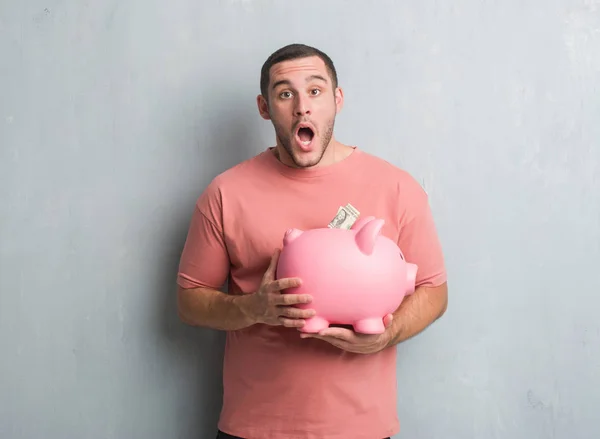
(355,277)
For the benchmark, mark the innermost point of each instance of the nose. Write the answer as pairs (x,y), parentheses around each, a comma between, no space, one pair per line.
(302,107)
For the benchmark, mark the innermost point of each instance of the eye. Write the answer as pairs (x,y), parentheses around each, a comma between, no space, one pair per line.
(285,95)
(315,91)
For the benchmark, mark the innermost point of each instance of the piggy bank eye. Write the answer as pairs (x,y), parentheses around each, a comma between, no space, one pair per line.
(401,255)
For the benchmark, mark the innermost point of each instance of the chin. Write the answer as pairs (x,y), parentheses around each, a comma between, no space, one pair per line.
(304,159)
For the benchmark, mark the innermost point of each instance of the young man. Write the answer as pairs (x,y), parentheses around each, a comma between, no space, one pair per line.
(278,382)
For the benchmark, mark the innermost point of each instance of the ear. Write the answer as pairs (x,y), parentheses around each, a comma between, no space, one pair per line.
(263,107)
(291,235)
(360,222)
(368,234)
(339,99)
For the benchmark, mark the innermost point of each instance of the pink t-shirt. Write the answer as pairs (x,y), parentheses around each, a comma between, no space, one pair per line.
(277,385)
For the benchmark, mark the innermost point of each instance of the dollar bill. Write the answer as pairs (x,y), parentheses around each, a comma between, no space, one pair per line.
(344,219)
(353,210)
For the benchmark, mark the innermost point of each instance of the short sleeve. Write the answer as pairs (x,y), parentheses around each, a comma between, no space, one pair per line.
(418,239)
(204,261)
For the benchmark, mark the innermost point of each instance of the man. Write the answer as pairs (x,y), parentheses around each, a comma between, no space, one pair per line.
(280,383)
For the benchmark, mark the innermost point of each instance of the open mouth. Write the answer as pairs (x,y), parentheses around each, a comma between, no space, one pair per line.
(305,135)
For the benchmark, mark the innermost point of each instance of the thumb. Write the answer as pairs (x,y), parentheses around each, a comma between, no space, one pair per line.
(387,320)
(270,273)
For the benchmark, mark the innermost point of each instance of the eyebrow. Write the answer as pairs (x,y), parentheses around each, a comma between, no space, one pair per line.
(310,78)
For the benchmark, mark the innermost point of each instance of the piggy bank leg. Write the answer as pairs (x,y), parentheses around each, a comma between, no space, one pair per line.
(370,326)
(314,325)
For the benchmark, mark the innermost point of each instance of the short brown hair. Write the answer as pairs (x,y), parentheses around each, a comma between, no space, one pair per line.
(293,51)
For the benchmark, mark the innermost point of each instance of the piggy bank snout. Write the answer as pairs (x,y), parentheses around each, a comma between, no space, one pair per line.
(411,277)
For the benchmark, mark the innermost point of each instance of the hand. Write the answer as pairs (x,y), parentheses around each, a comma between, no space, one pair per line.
(268,305)
(355,342)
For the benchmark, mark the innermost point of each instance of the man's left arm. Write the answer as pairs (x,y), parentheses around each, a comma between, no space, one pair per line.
(420,245)
(416,313)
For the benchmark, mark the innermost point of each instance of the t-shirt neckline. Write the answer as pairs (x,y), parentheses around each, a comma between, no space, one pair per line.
(311,172)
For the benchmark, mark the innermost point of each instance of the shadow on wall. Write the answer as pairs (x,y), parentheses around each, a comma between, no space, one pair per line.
(219,142)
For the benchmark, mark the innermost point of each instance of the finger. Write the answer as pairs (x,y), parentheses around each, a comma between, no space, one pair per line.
(291,323)
(331,340)
(338,333)
(296,313)
(270,272)
(292,299)
(285,283)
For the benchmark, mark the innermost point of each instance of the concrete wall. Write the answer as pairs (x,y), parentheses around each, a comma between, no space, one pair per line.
(114,115)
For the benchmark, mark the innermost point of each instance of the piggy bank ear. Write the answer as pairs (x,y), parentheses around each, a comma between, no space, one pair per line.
(367,235)
(360,223)
(290,235)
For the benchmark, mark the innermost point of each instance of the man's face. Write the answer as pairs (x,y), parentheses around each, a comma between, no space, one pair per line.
(302,105)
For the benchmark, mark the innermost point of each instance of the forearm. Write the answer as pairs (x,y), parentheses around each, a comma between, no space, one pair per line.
(417,312)
(212,309)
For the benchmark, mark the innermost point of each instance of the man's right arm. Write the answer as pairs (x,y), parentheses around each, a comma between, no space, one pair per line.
(212,309)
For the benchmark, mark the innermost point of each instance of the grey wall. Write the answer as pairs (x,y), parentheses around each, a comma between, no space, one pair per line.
(114,115)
